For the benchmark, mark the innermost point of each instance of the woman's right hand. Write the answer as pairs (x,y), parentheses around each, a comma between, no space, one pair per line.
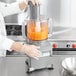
(31,50)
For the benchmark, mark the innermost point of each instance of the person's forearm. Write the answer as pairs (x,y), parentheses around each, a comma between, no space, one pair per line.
(22,5)
(13,8)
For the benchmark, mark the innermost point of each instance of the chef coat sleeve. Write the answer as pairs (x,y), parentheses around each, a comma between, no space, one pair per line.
(5,43)
(10,9)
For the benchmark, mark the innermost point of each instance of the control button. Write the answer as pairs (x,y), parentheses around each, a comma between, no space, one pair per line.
(54,45)
(68,45)
(73,45)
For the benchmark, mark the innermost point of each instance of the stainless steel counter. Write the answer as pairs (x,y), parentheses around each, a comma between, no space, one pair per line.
(15,66)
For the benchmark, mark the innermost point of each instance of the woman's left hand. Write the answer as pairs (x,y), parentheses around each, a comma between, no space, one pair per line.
(24,3)
(35,1)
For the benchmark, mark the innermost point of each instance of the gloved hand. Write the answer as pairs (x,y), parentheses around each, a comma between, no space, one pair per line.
(35,1)
(24,3)
(31,51)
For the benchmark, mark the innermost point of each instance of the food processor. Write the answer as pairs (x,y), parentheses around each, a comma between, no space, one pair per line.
(36,29)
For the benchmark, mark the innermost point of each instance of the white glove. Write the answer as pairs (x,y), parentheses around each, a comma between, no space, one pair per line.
(35,2)
(31,51)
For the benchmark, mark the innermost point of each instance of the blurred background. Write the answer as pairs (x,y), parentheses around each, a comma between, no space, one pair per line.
(63,12)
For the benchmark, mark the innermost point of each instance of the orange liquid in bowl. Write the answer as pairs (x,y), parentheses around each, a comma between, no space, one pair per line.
(32,34)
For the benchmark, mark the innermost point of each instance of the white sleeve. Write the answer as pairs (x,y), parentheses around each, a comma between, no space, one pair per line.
(9,9)
(5,43)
